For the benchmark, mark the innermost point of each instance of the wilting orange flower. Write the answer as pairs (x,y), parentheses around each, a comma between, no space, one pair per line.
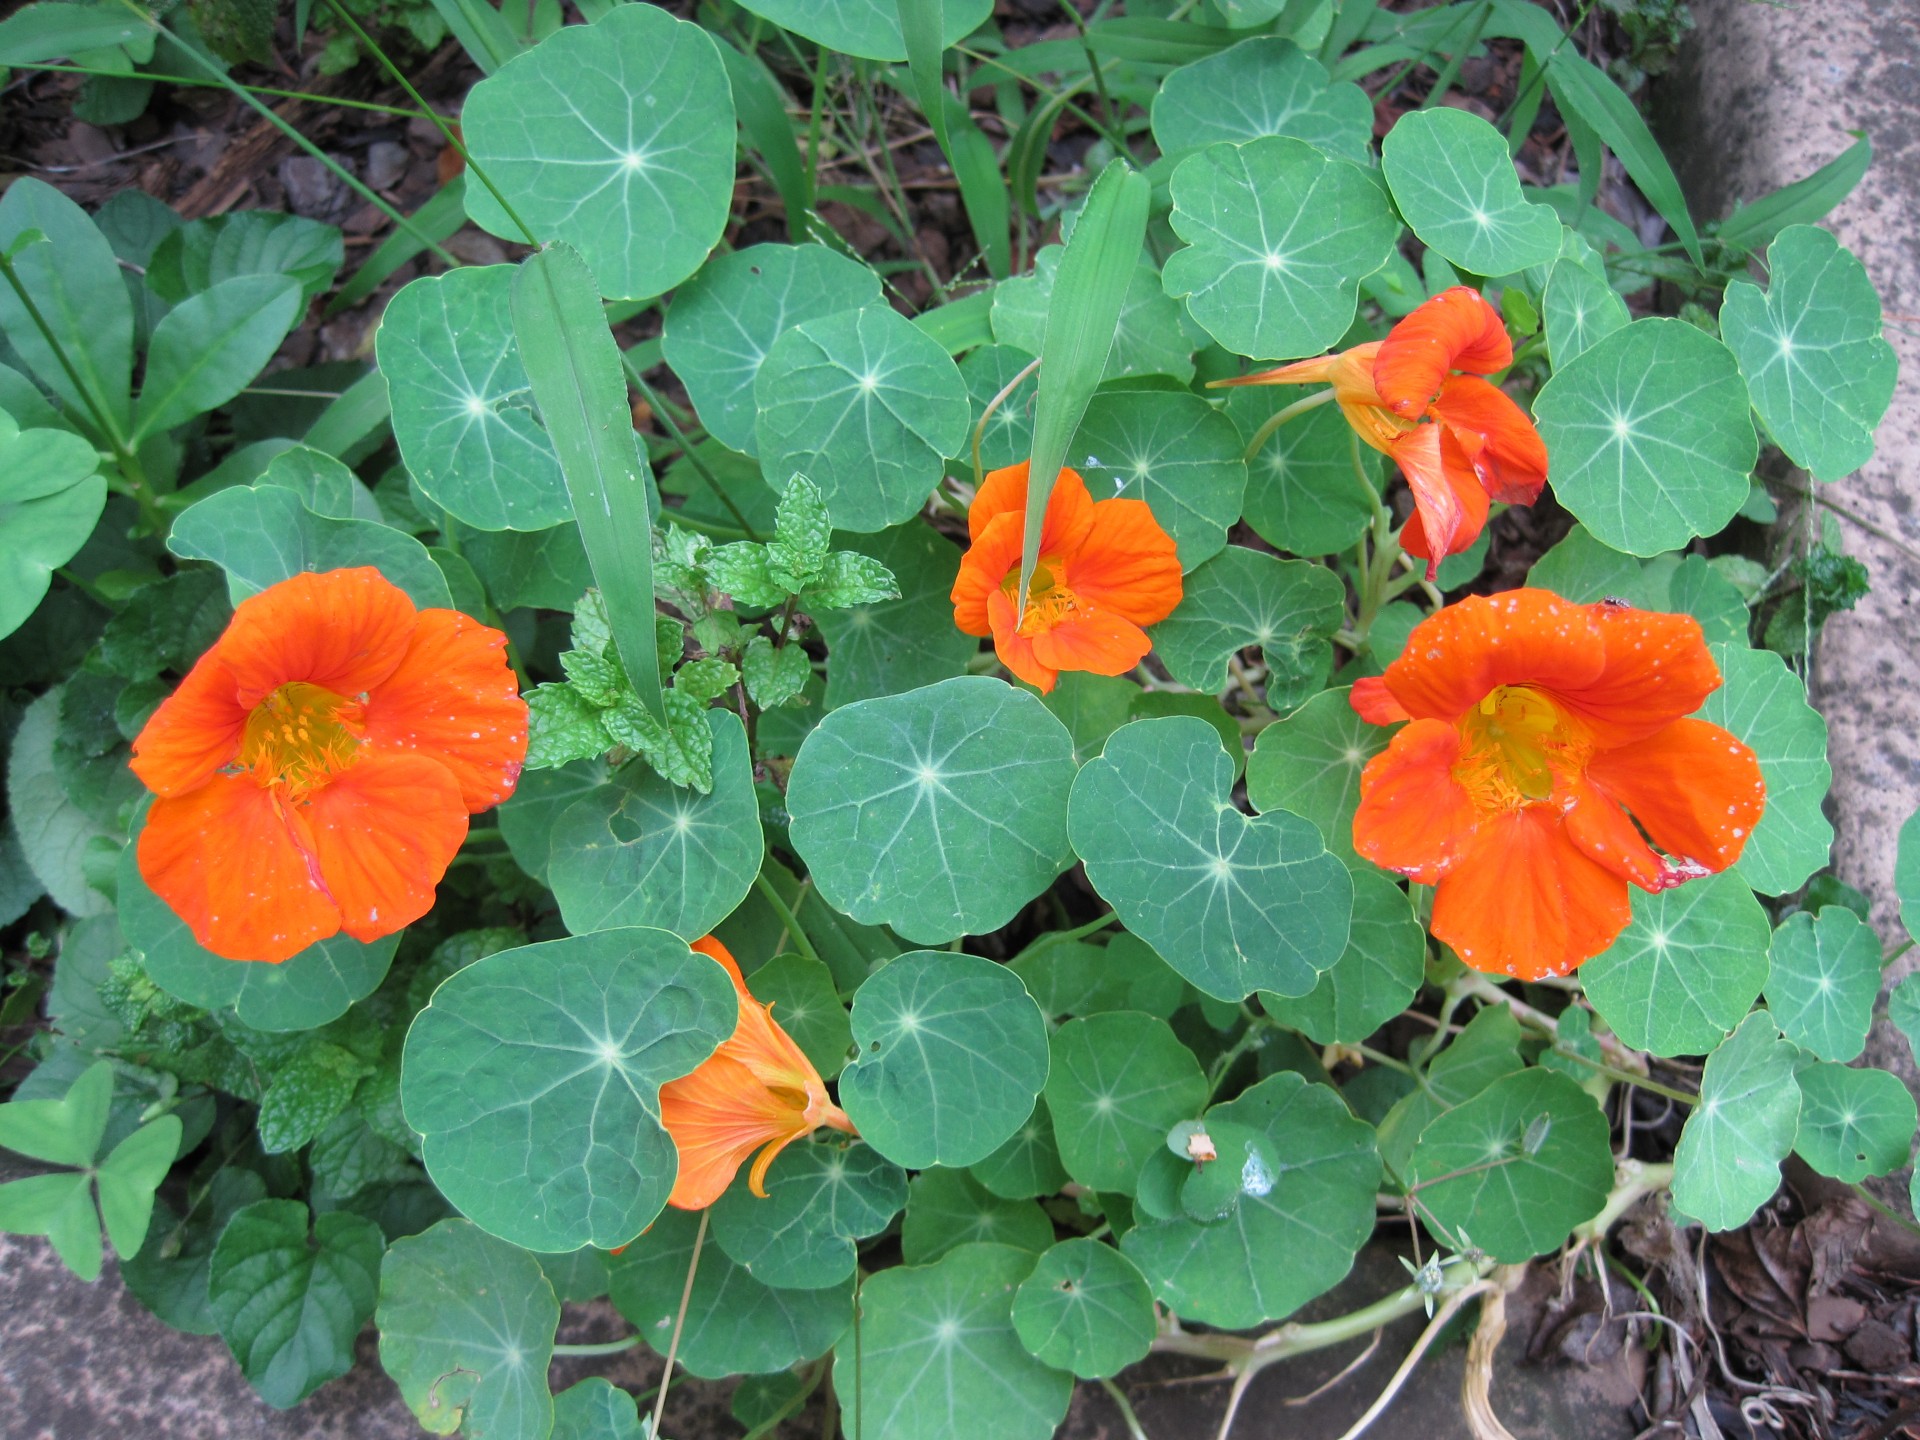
(317,766)
(757,1090)
(1457,438)
(1536,725)
(1106,569)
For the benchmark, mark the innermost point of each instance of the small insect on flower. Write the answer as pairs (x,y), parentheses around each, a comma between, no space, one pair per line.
(1459,440)
(1536,725)
(758,1091)
(1106,570)
(316,768)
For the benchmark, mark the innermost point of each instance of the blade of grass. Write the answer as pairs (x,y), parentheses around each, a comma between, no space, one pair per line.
(433,222)
(574,366)
(770,133)
(1088,289)
(969,153)
(481,31)
(1801,203)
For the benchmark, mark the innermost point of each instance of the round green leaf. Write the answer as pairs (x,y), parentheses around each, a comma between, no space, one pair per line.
(311,988)
(807,1005)
(1117,1081)
(865,404)
(262,534)
(735,1325)
(1174,451)
(1853,1123)
(1279,237)
(1028,1165)
(641,850)
(1819,371)
(1515,1168)
(1242,597)
(1689,964)
(462,404)
(1582,569)
(596,1409)
(50,500)
(1579,308)
(528,816)
(1234,904)
(290,1304)
(534,1077)
(1310,762)
(1278,1250)
(1303,491)
(1727,1164)
(820,1199)
(989,369)
(1823,978)
(947,1208)
(616,137)
(867,28)
(1453,179)
(939,1358)
(1649,436)
(1384,965)
(1263,86)
(1148,338)
(1765,705)
(547,568)
(953,1052)
(466,1330)
(724,320)
(1244,1165)
(1073,977)
(1085,1308)
(938,812)
(893,646)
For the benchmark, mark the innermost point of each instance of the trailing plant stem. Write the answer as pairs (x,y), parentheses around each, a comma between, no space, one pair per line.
(1280,417)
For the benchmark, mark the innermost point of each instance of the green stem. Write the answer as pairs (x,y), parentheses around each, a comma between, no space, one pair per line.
(605,1347)
(700,468)
(1280,417)
(1061,937)
(187,80)
(980,430)
(787,918)
(1135,1431)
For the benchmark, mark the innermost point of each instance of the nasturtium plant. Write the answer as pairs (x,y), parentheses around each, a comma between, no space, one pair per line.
(980,702)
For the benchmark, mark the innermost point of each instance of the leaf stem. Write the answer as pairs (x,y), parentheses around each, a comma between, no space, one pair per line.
(787,918)
(980,430)
(1135,1431)
(604,1347)
(1281,416)
(679,1323)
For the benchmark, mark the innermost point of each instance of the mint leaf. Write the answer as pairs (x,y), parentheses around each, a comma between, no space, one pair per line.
(847,579)
(563,727)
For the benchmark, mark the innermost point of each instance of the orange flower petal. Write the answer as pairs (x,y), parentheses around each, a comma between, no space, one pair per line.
(1004,492)
(222,858)
(1099,643)
(1414,817)
(1656,669)
(1455,330)
(995,553)
(1697,790)
(1374,703)
(1525,901)
(453,700)
(195,731)
(343,630)
(1457,655)
(1600,829)
(1015,650)
(1450,507)
(1317,371)
(718,1116)
(381,834)
(1509,457)
(1128,565)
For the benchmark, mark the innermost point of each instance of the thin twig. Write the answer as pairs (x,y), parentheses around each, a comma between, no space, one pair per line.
(679,1324)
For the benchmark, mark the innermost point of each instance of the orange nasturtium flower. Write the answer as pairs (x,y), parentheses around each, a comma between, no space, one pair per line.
(1458,439)
(316,768)
(758,1091)
(1106,569)
(1535,725)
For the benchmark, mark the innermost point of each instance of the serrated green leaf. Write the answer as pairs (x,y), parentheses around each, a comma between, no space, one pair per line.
(564,725)
(534,1077)
(1727,1164)
(1516,1167)
(1649,435)
(1688,966)
(1085,1308)
(175,621)
(725,319)
(1376,977)
(1819,372)
(938,812)
(1823,977)
(821,1198)
(641,850)
(289,1305)
(849,578)
(1262,86)
(1174,451)
(466,1330)
(1234,904)
(1278,237)
(1116,1082)
(1242,597)
(734,1323)
(949,1208)
(349,1156)
(306,1094)
(938,1352)
(1454,181)
(1853,1123)
(741,570)
(1765,705)
(1581,309)
(865,405)
(887,647)
(952,1055)
(801,534)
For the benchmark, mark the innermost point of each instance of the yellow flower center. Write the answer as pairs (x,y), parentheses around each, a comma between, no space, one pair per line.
(1513,742)
(1049,600)
(300,737)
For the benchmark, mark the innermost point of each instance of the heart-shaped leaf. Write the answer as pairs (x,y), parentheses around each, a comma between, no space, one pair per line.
(1727,1164)
(889,647)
